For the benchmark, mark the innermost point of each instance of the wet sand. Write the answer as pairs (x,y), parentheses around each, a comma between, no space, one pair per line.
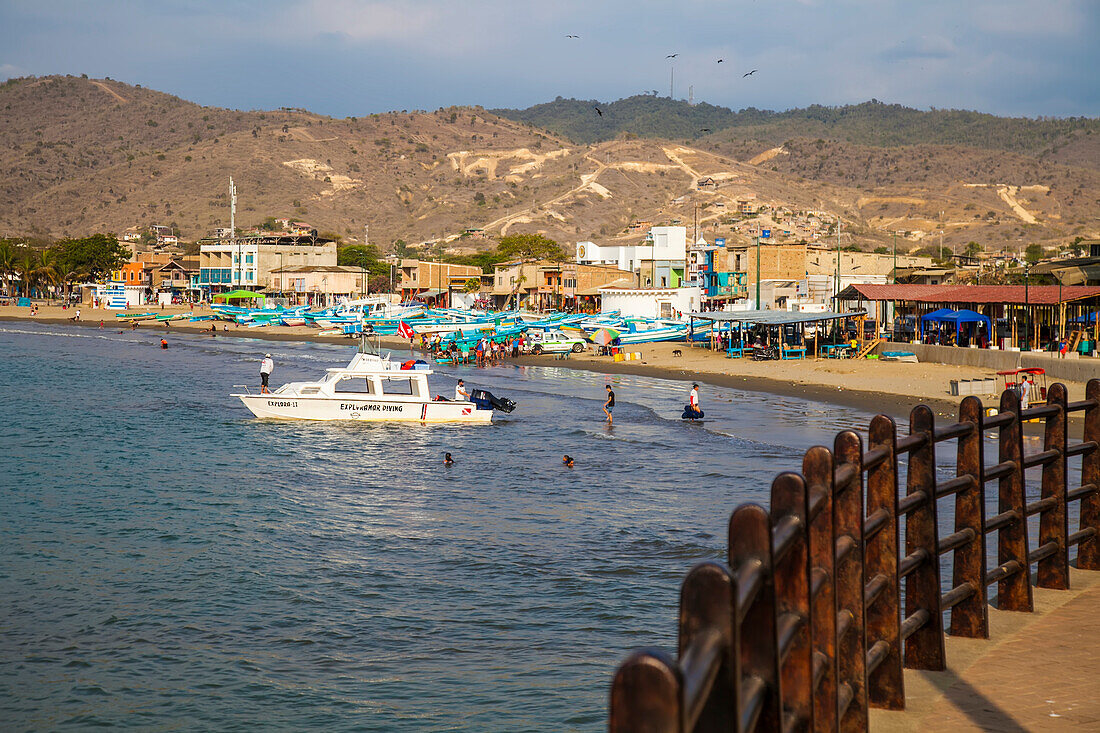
(893,388)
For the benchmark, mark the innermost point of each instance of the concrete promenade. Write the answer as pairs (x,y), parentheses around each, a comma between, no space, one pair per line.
(1037,672)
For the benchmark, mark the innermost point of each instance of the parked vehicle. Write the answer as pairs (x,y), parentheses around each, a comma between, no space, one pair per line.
(556,342)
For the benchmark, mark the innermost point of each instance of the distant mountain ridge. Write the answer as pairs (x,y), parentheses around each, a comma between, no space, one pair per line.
(869,123)
(81,155)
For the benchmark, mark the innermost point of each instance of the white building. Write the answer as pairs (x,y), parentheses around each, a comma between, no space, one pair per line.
(651,302)
(662,244)
(249,262)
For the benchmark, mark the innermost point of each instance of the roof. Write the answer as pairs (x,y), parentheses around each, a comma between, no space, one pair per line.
(774,318)
(238,294)
(966,294)
(319,268)
(622,282)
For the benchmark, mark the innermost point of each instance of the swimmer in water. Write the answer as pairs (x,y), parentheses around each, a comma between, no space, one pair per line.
(447,460)
(568,461)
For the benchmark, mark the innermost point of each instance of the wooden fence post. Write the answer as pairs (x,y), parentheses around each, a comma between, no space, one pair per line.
(970,617)
(750,543)
(817,467)
(1088,552)
(707,616)
(851,646)
(885,683)
(647,694)
(792,594)
(1014,589)
(1052,571)
(924,648)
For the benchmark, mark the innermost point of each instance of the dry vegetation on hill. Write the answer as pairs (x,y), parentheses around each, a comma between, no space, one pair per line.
(80,155)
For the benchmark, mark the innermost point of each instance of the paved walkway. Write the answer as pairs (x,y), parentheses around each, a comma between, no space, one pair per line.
(1037,672)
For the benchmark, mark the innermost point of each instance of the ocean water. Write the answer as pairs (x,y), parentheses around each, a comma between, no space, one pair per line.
(170,563)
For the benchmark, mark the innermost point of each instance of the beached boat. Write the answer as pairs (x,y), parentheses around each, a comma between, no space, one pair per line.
(372,388)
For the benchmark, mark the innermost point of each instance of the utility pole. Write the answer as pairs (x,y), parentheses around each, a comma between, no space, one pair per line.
(836,288)
(895,256)
(671,81)
(1027,308)
(758,273)
(366,235)
(233,220)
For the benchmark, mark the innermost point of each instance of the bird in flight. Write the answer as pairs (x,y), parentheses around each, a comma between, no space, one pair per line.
(749,74)
(672,56)
(598,111)
(571,36)
(705,129)
(720,60)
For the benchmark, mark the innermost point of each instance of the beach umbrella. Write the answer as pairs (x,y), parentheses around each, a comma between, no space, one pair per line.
(605,336)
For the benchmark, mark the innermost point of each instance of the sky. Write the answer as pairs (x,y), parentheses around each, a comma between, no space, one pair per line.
(353,57)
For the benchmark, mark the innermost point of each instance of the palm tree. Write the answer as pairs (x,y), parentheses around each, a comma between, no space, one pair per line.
(25,267)
(45,273)
(7,265)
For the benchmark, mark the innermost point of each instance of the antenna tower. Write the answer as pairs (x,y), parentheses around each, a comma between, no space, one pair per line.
(691,95)
(233,221)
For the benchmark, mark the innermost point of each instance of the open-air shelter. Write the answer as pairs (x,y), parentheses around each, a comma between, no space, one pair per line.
(241,296)
(790,328)
(1021,315)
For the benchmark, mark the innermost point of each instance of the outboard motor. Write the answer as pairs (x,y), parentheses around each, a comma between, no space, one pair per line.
(486,401)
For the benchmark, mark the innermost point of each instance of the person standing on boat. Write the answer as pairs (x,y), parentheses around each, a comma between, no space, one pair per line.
(266,367)
(461,395)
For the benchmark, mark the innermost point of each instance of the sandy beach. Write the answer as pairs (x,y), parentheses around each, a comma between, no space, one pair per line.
(890,387)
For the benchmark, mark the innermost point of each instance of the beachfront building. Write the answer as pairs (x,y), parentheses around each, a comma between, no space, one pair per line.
(1022,317)
(318,285)
(431,282)
(659,260)
(248,262)
(669,303)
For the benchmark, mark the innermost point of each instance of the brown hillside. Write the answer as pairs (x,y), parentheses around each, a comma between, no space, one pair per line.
(82,155)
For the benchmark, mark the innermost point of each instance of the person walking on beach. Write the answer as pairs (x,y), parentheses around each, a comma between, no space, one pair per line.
(266,367)
(461,395)
(609,405)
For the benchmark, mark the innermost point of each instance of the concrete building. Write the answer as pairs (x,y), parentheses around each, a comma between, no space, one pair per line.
(800,261)
(224,265)
(651,302)
(318,285)
(431,281)
(659,260)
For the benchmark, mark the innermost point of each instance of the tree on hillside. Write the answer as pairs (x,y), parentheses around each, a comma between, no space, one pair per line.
(95,255)
(530,246)
(973,248)
(1033,253)
(365,256)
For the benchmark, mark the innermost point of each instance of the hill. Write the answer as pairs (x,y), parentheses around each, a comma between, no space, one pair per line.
(83,155)
(870,123)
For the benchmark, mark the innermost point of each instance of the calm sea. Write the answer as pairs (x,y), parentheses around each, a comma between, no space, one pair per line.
(169,562)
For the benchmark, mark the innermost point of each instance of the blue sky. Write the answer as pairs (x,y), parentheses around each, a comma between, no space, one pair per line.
(351,57)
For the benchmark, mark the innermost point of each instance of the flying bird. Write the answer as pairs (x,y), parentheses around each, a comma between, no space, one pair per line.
(720,60)
(572,36)
(600,113)
(749,74)
(705,129)
(672,56)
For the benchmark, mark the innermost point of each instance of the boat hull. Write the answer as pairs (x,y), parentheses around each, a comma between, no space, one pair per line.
(289,407)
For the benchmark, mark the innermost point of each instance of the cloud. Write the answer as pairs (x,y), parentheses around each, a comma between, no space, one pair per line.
(11,71)
(921,47)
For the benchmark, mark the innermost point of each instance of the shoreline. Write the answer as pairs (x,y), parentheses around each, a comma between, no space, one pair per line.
(874,401)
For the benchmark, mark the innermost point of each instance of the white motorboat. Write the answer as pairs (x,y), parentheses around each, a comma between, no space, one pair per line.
(372,389)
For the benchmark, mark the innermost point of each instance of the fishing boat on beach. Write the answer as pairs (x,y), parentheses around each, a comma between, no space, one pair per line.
(373,388)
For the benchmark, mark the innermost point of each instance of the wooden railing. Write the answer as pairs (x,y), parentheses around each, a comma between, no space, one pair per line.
(805,628)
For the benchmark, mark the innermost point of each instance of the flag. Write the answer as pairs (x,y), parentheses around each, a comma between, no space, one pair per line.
(405,331)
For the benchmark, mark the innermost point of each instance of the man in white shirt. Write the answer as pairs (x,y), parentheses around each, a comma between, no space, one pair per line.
(693,403)
(266,367)
(461,395)
(1025,391)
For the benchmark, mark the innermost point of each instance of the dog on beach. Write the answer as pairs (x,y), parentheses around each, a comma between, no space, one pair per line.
(677,352)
